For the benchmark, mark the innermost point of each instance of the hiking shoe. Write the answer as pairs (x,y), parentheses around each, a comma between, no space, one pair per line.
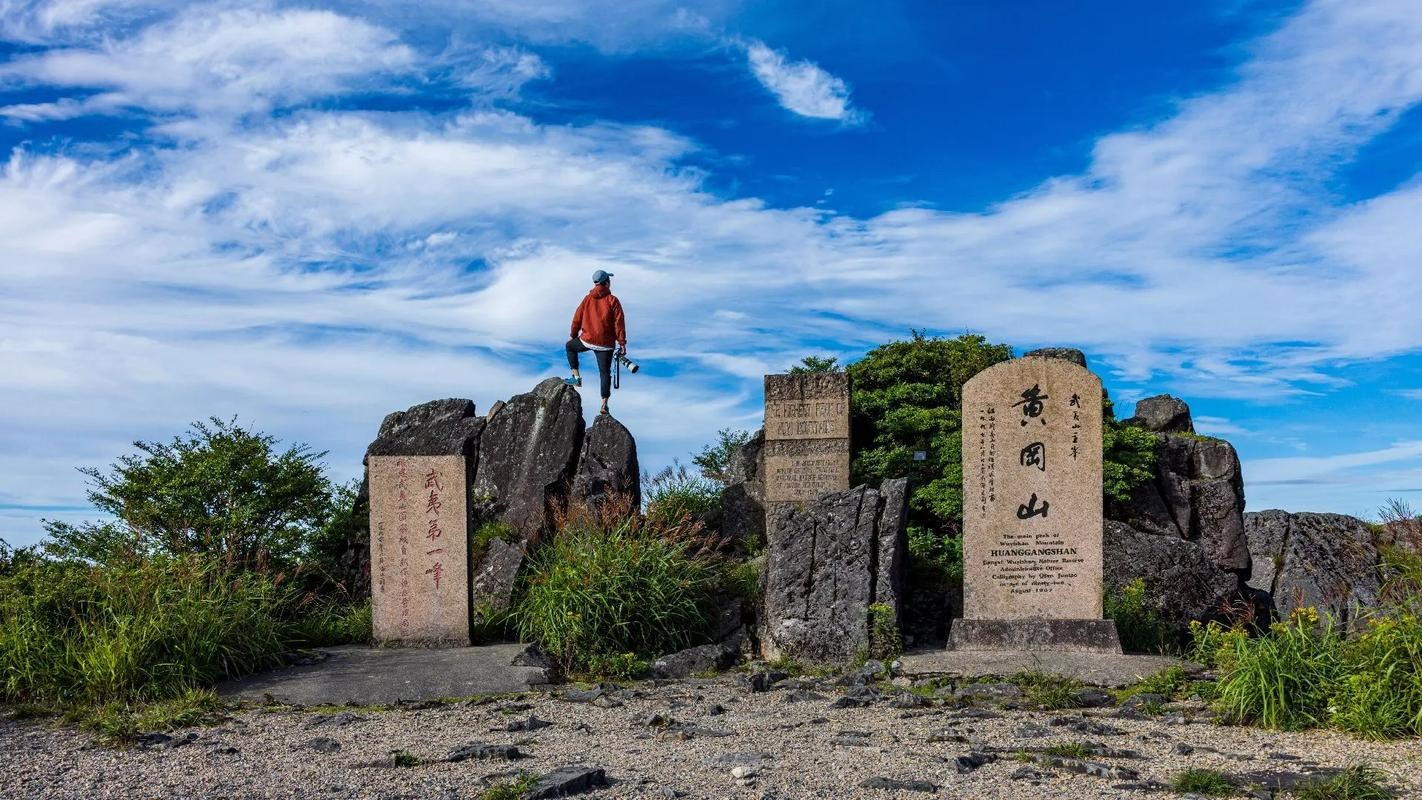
(573,381)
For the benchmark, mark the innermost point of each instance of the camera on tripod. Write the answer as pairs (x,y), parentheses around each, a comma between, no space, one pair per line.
(624,361)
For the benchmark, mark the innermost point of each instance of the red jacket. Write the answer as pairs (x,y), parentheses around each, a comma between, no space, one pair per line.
(599,318)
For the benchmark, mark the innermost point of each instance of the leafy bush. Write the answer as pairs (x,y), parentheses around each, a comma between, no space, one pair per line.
(607,587)
(220,490)
(1286,678)
(1141,629)
(715,459)
(1128,456)
(1380,692)
(885,643)
(148,630)
(1047,690)
(675,496)
(323,622)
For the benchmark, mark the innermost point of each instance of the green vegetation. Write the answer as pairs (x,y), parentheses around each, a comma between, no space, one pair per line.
(1048,691)
(1304,672)
(1358,782)
(607,591)
(220,491)
(810,364)
(1168,683)
(1141,629)
(210,567)
(1068,750)
(675,496)
(403,758)
(1128,457)
(885,643)
(1203,781)
(510,790)
(715,459)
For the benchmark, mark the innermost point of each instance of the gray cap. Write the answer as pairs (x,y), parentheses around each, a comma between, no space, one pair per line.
(601,277)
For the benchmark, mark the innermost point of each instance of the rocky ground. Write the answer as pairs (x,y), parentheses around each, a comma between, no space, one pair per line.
(727,737)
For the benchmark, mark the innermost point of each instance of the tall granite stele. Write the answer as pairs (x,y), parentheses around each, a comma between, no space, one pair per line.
(806,450)
(1032,510)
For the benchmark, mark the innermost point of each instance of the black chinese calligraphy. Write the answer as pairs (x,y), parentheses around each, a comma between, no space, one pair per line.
(1034,455)
(1030,508)
(1031,403)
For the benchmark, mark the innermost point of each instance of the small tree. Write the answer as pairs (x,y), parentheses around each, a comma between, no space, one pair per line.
(715,459)
(220,490)
(810,364)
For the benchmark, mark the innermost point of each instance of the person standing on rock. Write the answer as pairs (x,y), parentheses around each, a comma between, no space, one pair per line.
(597,326)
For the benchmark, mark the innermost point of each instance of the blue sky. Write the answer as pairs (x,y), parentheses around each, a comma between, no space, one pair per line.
(308,215)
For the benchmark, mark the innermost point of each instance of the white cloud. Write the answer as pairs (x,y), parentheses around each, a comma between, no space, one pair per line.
(1411,394)
(1339,468)
(1218,426)
(224,61)
(801,86)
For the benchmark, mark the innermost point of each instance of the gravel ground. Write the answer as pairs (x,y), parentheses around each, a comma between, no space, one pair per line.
(787,743)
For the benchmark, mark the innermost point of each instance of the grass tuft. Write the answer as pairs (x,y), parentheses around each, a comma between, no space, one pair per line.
(1358,782)
(1203,781)
(1048,691)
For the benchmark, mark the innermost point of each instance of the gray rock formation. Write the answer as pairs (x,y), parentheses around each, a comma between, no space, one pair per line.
(823,571)
(437,428)
(1182,583)
(1197,494)
(528,454)
(608,464)
(1328,561)
(1065,353)
(743,499)
(1163,414)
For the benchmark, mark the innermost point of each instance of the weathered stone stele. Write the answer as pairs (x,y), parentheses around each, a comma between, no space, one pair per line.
(806,450)
(419,549)
(1032,515)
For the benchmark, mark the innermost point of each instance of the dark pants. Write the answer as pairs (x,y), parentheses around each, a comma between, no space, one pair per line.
(604,363)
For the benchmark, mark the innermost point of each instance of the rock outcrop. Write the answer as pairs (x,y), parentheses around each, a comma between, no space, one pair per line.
(743,498)
(608,465)
(1163,414)
(1197,494)
(525,459)
(1328,561)
(825,565)
(1182,583)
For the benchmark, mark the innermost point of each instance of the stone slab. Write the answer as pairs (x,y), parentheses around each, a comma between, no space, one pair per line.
(1062,635)
(419,545)
(361,675)
(1111,670)
(806,452)
(1032,491)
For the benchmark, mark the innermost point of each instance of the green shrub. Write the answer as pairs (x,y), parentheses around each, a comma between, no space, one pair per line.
(1167,683)
(602,589)
(1140,627)
(324,622)
(675,496)
(1128,458)
(1203,781)
(1380,691)
(885,643)
(221,491)
(71,632)
(1068,750)
(714,460)
(1048,691)
(1285,679)
(1357,782)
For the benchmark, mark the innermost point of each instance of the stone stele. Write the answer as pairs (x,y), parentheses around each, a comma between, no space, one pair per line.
(1032,510)
(806,436)
(419,545)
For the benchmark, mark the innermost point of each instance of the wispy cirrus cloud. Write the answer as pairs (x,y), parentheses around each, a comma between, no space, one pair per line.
(802,87)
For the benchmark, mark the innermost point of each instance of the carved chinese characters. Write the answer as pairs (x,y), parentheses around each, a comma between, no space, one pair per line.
(419,549)
(806,436)
(1032,514)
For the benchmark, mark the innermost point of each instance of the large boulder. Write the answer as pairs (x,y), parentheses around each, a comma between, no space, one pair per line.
(608,465)
(528,455)
(1197,493)
(1163,414)
(1327,561)
(743,498)
(825,565)
(1182,583)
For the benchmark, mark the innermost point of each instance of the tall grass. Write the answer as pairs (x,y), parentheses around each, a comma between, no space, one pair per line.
(611,589)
